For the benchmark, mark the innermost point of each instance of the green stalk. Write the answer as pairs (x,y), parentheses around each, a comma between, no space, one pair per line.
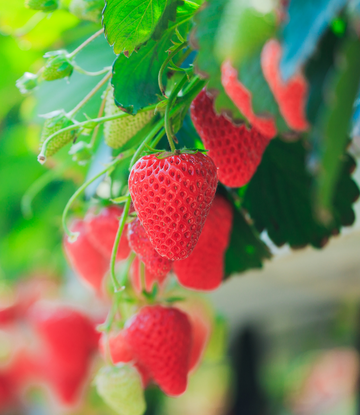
(117,286)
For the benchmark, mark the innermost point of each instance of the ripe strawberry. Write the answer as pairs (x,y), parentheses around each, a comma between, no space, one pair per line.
(290,95)
(55,121)
(161,338)
(102,229)
(68,339)
(120,352)
(120,387)
(85,259)
(155,264)
(242,99)
(119,131)
(236,150)
(150,279)
(44,5)
(172,197)
(87,9)
(204,268)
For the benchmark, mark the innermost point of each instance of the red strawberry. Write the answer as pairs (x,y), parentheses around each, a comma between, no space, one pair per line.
(120,352)
(161,338)
(241,97)
(150,279)
(102,230)
(69,339)
(172,197)
(7,392)
(88,262)
(156,265)
(236,151)
(204,269)
(290,95)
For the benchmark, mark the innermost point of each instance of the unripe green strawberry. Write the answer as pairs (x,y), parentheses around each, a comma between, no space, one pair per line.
(121,388)
(87,9)
(27,82)
(54,122)
(81,153)
(57,66)
(118,132)
(43,5)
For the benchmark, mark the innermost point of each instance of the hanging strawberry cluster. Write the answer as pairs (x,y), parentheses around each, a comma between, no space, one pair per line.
(177,212)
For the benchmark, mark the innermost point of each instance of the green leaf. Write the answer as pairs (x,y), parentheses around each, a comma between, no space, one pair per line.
(207,23)
(263,101)
(135,79)
(168,15)
(246,250)
(244,27)
(336,123)
(130,23)
(279,197)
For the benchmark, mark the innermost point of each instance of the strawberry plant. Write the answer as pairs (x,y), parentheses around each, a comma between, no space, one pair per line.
(177,134)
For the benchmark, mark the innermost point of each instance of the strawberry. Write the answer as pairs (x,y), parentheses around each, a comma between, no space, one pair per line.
(290,95)
(155,264)
(120,352)
(69,339)
(57,66)
(87,9)
(55,121)
(102,230)
(204,268)
(27,82)
(236,150)
(172,196)
(86,260)
(120,387)
(119,131)
(43,5)
(241,97)
(160,338)
(150,279)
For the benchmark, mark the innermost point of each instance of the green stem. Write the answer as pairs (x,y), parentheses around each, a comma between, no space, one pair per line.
(84,44)
(83,71)
(30,24)
(165,63)
(90,95)
(81,189)
(117,286)
(100,113)
(36,188)
(172,98)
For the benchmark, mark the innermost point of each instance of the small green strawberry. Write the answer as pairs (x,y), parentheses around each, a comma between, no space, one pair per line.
(87,9)
(27,82)
(121,388)
(81,153)
(54,122)
(57,66)
(119,131)
(43,5)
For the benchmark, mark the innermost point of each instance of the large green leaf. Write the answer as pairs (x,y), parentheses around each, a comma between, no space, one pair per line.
(279,197)
(335,126)
(135,79)
(130,23)
(246,250)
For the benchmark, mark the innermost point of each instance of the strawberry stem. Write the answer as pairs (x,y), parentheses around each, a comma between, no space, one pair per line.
(172,98)
(85,72)
(100,114)
(117,286)
(90,94)
(72,236)
(84,44)
(165,63)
